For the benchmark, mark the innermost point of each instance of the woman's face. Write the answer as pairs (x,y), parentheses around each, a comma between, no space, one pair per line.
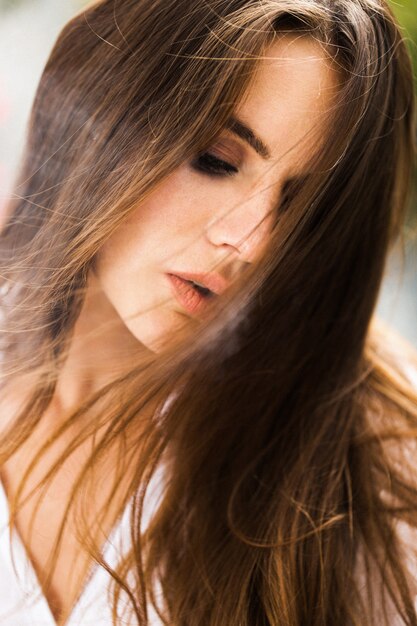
(213,214)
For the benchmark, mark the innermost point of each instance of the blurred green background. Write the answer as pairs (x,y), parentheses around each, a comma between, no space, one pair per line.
(406,12)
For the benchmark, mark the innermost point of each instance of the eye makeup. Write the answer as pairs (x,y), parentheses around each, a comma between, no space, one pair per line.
(220,160)
(209,164)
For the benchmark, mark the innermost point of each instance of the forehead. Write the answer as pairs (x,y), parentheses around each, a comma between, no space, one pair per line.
(289,99)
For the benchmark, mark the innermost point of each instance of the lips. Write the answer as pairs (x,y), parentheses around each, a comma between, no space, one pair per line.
(212,281)
(193,299)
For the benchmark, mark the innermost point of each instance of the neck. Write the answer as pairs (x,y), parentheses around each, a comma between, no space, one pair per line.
(101,349)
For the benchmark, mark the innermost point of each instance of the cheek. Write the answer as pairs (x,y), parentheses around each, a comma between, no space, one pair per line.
(177,211)
(180,207)
(144,231)
(164,226)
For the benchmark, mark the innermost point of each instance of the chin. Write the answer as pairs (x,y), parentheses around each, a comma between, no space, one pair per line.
(152,330)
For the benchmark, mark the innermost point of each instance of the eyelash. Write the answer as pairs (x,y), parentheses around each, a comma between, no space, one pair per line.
(208,164)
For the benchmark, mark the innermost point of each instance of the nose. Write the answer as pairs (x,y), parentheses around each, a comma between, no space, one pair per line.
(245,226)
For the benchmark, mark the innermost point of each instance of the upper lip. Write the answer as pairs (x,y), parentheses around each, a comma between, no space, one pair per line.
(215,282)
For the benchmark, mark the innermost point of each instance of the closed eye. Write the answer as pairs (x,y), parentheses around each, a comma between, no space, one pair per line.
(211,165)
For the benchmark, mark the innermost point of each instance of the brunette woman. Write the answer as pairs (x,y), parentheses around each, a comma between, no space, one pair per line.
(189,270)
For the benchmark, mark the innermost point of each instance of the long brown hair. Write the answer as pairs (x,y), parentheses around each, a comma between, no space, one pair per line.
(281,477)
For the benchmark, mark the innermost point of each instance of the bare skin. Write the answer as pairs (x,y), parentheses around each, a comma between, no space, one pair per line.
(73,563)
(287,102)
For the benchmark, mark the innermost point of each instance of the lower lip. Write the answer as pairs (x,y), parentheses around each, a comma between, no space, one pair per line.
(192,301)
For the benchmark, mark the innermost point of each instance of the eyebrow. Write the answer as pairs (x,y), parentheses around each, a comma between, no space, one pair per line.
(246,133)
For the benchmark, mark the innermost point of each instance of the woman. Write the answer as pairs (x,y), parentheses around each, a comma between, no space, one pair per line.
(189,271)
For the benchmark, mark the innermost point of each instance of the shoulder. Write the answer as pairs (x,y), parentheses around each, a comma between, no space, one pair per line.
(410,371)
(391,353)
(377,605)
(392,416)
